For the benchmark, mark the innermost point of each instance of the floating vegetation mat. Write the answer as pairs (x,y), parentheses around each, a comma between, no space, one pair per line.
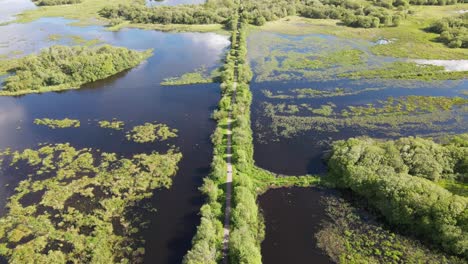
(75,205)
(392,116)
(151,132)
(57,123)
(278,57)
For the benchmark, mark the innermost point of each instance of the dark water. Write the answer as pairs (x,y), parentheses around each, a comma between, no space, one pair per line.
(134,97)
(303,153)
(173,2)
(291,217)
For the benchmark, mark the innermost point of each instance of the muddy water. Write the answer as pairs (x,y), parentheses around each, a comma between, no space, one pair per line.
(135,97)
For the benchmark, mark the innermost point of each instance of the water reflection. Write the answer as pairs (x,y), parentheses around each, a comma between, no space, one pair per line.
(135,97)
(10,8)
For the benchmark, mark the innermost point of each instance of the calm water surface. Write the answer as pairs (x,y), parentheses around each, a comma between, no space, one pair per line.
(135,97)
(10,8)
(293,216)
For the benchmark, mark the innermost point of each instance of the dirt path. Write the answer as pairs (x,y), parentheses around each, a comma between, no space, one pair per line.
(227,212)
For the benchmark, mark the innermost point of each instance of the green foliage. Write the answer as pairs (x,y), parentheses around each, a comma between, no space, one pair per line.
(151,132)
(198,76)
(408,71)
(351,235)
(114,124)
(453,31)
(390,117)
(62,67)
(393,177)
(57,123)
(55,2)
(75,205)
(258,12)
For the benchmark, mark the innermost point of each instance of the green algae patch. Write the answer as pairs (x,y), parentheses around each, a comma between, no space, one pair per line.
(57,123)
(113,124)
(63,68)
(76,204)
(150,132)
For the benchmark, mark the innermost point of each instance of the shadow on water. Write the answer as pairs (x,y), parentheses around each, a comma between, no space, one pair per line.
(135,97)
(291,217)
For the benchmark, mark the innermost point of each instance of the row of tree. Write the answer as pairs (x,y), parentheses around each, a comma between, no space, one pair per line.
(397,178)
(64,67)
(453,31)
(247,230)
(260,11)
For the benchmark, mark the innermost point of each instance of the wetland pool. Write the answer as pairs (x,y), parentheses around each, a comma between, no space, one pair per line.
(297,112)
(135,97)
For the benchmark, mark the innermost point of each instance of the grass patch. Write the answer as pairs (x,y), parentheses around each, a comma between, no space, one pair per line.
(198,76)
(408,71)
(57,123)
(411,38)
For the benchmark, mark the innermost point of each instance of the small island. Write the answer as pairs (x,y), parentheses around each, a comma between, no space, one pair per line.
(64,68)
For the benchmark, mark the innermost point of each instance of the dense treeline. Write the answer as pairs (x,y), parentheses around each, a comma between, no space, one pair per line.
(260,11)
(210,13)
(55,2)
(453,31)
(247,224)
(397,178)
(207,243)
(63,67)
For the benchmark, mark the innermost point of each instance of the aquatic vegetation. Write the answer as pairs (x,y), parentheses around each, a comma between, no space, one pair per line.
(198,76)
(352,234)
(113,124)
(300,93)
(62,68)
(453,31)
(151,132)
(390,117)
(57,123)
(77,205)
(398,179)
(408,71)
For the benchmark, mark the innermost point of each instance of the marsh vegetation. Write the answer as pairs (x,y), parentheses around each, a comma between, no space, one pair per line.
(92,220)
(57,123)
(150,132)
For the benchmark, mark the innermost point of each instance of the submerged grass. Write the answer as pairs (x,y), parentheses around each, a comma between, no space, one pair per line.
(408,40)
